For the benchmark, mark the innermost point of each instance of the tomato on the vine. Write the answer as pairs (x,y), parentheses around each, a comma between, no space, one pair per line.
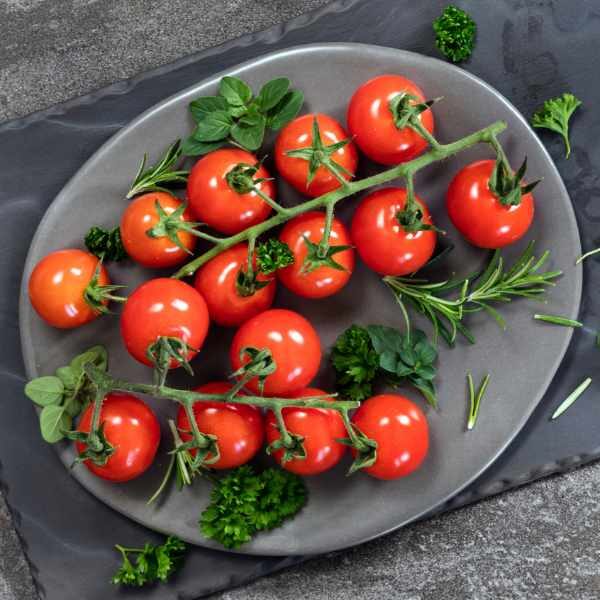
(163,307)
(480,215)
(239,428)
(294,345)
(212,200)
(320,429)
(299,134)
(58,284)
(131,428)
(400,429)
(382,242)
(312,276)
(371,120)
(230,304)
(149,237)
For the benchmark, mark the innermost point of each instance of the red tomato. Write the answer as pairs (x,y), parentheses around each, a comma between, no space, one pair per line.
(294,345)
(320,429)
(131,428)
(479,215)
(57,285)
(382,242)
(140,217)
(213,202)
(400,429)
(239,428)
(298,134)
(371,122)
(216,281)
(322,281)
(163,307)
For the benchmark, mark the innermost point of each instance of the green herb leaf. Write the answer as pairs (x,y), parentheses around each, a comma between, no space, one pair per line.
(54,423)
(213,127)
(207,104)
(556,320)
(555,115)
(272,93)
(570,399)
(249,136)
(455,34)
(285,110)
(106,244)
(235,91)
(193,147)
(45,391)
(273,255)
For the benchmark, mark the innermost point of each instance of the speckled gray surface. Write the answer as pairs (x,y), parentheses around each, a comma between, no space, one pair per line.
(538,542)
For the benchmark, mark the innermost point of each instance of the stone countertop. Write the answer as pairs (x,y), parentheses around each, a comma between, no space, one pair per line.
(536,542)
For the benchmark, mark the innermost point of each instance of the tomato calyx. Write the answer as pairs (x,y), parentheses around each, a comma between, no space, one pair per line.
(321,255)
(406,108)
(365,447)
(241,178)
(507,187)
(320,155)
(98,449)
(261,364)
(164,350)
(247,284)
(96,295)
(411,216)
(291,443)
(169,225)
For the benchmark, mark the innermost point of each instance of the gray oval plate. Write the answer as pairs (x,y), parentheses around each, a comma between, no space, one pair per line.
(521,360)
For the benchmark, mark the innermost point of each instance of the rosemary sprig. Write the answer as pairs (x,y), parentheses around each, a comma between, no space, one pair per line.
(557,320)
(475,399)
(163,172)
(496,284)
(570,399)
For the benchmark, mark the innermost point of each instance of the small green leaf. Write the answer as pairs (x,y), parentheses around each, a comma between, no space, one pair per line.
(285,110)
(192,147)
(249,136)
(235,91)
(388,361)
(272,93)
(45,391)
(214,127)
(207,104)
(68,376)
(96,355)
(54,422)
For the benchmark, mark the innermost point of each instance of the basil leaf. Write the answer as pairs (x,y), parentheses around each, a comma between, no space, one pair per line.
(249,136)
(192,147)
(45,391)
(213,127)
(235,91)
(285,110)
(272,92)
(388,361)
(207,104)
(54,421)
(236,111)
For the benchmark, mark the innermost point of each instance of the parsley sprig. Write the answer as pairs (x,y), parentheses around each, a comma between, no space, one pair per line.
(244,503)
(105,243)
(555,115)
(455,34)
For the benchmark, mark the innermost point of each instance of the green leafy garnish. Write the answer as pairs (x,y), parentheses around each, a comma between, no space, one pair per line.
(455,34)
(244,503)
(273,255)
(106,244)
(570,399)
(64,395)
(475,399)
(237,116)
(555,115)
(362,354)
(558,320)
(152,563)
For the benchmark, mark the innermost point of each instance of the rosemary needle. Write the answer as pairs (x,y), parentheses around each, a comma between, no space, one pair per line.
(557,320)
(475,399)
(570,399)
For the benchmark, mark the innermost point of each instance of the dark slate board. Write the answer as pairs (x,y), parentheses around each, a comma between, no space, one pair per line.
(529,50)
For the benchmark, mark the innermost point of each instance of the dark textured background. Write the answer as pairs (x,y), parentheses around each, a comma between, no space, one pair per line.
(537,542)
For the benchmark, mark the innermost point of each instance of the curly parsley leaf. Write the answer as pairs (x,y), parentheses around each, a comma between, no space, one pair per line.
(455,34)
(152,563)
(555,115)
(273,255)
(105,243)
(244,503)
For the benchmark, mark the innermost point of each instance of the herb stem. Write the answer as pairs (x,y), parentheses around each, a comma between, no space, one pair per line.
(587,255)
(475,399)
(570,399)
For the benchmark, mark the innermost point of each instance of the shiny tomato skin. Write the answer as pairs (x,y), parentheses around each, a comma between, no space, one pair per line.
(322,281)
(163,307)
(381,241)
(371,123)
(216,281)
(57,284)
(298,134)
(320,428)
(214,203)
(401,431)
(478,214)
(132,429)
(141,216)
(239,428)
(294,345)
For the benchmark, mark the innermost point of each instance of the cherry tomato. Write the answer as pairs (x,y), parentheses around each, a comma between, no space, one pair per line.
(214,202)
(57,285)
(294,345)
(140,217)
(131,428)
(320,428)
(324,280)
(371,122)
(217,282)
(479,215)
(400,429)
(239,428)
(382,242)
(163,307)
(298,134)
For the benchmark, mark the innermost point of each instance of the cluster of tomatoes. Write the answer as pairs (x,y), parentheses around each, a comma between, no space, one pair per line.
(164,307)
